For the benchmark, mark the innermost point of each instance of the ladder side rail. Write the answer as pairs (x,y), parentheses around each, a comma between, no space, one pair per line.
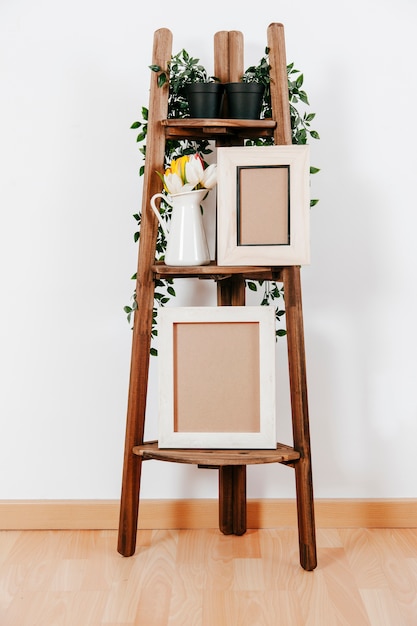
(142,326)
(294,321)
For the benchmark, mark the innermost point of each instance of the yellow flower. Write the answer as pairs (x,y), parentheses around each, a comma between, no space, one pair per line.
(178,167)
(187,173)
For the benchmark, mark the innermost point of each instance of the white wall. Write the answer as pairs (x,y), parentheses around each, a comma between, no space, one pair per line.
(74,77)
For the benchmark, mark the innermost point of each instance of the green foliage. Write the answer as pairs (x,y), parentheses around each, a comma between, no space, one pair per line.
(300,123)
(182,70)
(271,291)
(258,73)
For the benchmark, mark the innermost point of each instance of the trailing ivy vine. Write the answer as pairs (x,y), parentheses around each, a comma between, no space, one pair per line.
(183,69)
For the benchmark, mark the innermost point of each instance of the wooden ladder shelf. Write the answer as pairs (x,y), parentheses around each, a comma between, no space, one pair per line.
(231,464)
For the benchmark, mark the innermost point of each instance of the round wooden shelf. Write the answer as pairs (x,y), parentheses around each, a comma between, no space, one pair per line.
(217,458)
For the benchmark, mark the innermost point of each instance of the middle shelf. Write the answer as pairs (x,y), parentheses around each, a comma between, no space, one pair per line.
(216,272)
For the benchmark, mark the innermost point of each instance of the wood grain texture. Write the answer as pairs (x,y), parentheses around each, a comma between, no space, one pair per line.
(214,457)
(145,288)
(365,577)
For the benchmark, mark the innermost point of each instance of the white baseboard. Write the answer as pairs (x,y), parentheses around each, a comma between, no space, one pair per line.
(203,513)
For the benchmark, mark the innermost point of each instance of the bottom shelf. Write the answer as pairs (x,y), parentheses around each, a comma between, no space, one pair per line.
(213,458)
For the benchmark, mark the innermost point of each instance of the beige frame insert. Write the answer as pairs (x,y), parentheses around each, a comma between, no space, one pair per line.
(263,205)
(217,377)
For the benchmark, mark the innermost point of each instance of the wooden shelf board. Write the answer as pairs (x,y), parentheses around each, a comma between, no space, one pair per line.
(217,458)
(212,128)
(216,272)
(197,122)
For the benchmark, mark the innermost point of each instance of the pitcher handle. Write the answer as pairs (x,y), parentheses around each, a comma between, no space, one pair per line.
(157,213)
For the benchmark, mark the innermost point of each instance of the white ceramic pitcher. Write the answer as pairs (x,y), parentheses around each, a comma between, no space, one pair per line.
(186,238)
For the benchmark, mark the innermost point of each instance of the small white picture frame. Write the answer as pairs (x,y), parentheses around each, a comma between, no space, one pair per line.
(217,377)
(263,205)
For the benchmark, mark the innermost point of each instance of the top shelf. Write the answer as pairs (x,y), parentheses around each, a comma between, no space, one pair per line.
(201,128)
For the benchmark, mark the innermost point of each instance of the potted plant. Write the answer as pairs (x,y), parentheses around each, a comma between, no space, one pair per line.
(192,91)
(245,98)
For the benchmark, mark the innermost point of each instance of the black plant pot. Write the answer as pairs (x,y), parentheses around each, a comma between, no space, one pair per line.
(205,99)
(244,100)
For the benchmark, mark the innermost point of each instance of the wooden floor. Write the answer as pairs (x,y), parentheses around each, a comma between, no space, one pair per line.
(203,578)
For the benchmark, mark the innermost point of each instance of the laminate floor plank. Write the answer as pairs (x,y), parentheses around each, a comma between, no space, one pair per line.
(197,577)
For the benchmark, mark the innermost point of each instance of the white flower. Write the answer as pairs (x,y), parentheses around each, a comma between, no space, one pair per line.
(194,170)
(209,176)
(173,184)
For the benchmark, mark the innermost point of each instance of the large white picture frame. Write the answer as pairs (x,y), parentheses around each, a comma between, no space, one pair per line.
(263,205)
(217,377)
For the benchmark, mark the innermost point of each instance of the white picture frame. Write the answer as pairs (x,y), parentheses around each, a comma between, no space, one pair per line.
(263,205)
(217,377)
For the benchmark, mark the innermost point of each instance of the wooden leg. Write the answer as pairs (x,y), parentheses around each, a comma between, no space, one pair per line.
(300,418)
(232,499)
(305,514)
(226,499)
(239,499)
(129,507)
(129,502)
(232,479)
(136,410)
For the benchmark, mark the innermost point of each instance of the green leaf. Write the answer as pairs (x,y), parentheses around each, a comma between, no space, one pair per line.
(313,202)
(162,79)
(252,286)
(315,134)
(155,68)
(136,125)
(302,136)
(314,170)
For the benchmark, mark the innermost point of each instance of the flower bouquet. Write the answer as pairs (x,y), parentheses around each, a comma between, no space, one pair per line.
(188,173)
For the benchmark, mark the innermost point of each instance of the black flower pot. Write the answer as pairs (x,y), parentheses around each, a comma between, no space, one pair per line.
(244,100)
(205,99)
